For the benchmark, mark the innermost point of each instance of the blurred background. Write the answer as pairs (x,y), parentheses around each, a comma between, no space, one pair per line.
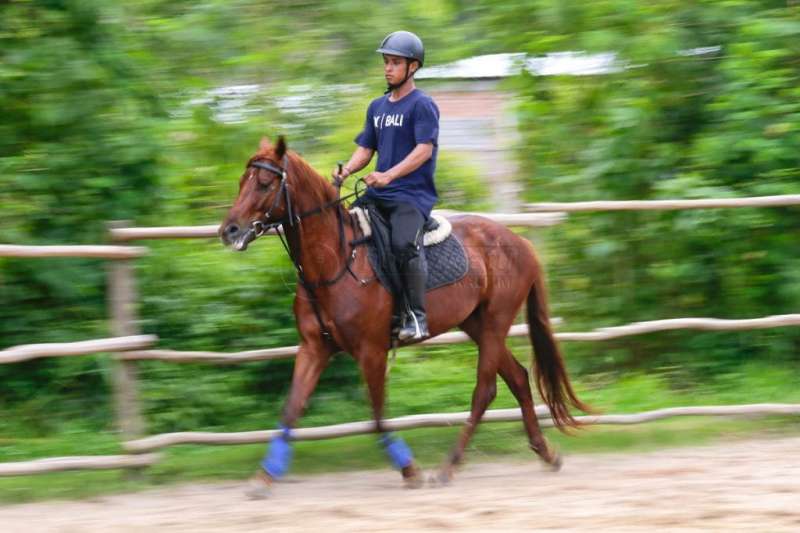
(147,111)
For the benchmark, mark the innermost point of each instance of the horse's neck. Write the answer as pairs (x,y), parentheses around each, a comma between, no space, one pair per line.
(314,241)
(315,245)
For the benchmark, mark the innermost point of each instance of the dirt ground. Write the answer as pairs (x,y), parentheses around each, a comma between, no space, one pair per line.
(746,485)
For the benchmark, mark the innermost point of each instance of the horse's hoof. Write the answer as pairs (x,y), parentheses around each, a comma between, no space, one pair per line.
(549,455)
(412,477)
(442,478)
(259,487)
(556,463)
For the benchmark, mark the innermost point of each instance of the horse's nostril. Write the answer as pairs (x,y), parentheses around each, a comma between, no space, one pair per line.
(233,229)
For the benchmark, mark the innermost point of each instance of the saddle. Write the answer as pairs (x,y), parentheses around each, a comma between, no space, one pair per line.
(447,261)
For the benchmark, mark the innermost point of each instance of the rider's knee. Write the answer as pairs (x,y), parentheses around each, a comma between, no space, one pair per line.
(405,252)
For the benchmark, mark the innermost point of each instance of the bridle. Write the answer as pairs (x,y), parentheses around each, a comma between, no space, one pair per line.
(258,227)
(261,226)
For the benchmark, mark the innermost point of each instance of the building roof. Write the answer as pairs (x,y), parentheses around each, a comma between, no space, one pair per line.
(494,66)
(504,65)
(485,66)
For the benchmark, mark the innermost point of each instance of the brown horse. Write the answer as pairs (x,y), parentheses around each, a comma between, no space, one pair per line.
(337,311)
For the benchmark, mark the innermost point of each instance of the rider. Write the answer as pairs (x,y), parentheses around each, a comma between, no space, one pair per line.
(403,127)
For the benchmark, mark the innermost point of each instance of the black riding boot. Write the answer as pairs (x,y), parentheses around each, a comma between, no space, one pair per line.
(415,274)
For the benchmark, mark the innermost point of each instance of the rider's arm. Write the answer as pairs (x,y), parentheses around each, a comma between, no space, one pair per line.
(360,158)
(426,135)
(421,153)
(367,142)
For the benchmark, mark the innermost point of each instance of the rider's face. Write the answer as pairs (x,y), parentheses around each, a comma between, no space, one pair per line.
(394,68)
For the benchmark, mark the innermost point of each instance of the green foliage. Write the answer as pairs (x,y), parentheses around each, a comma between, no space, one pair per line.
(678,121)
(78,146)
(106,119)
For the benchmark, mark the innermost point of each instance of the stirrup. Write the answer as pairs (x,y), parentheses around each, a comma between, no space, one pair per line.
(397,324)
(414,330)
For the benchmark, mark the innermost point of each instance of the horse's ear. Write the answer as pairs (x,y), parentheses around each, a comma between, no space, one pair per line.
(264,145)
(280,147)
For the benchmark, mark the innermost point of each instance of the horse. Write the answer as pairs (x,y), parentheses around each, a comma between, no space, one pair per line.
(338,309)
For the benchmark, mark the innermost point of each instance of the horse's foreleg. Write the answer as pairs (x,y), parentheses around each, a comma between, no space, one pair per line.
(516,377)
(373,367)
(308,367)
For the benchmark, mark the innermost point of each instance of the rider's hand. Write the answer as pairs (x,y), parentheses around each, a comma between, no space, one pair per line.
(339,175)
(378,179)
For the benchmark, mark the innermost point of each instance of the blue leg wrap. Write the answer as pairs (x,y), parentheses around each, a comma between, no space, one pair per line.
(279,455)
(397,450)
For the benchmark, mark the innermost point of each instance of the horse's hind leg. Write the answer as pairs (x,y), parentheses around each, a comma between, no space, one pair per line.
(373,367)
(482,396)
(516,377)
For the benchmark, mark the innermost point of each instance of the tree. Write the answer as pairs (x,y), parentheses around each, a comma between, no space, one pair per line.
(705,105)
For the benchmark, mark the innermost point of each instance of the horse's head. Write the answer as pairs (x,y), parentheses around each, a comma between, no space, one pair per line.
(262,199)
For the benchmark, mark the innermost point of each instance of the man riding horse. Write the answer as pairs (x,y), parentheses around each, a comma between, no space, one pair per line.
(403,127)
(339,304)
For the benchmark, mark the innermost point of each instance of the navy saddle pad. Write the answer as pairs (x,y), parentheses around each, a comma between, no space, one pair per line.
(447,261)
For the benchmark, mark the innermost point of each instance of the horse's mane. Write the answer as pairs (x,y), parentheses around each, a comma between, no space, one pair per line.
(309,187)
(313,186)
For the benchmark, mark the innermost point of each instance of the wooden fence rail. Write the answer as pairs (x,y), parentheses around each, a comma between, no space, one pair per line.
(660,205)
(90,462)
(98,251)
(455,337)
(124,234)
(25,352)
(156,442)
(285,352)
(706,324)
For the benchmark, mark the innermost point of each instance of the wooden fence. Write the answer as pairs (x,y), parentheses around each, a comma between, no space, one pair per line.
(124,324)
(124,381)
(436,420)
(785,200)
(157,442)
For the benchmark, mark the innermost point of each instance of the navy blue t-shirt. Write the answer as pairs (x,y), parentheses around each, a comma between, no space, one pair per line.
(394,129)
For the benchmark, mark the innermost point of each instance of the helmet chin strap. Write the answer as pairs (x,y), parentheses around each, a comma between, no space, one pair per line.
(392,86)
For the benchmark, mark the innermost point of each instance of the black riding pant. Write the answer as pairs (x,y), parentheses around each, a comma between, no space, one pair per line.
(406,223)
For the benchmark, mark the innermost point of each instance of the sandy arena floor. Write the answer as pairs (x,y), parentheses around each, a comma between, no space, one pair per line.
(745,485)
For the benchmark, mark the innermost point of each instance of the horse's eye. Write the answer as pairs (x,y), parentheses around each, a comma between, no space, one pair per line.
(265,186)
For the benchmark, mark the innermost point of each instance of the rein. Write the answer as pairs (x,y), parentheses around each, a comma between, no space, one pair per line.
(259,228)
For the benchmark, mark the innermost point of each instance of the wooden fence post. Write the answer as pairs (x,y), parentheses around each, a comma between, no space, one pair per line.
(122,312)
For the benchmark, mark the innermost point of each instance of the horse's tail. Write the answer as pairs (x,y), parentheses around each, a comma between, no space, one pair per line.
(551,374)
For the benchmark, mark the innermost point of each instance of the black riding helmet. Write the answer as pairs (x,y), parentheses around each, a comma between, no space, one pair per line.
(403,44)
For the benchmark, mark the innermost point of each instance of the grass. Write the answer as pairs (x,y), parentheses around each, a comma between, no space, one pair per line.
(451,386)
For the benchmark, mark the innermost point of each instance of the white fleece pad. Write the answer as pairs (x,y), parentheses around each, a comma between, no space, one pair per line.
(429,239)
